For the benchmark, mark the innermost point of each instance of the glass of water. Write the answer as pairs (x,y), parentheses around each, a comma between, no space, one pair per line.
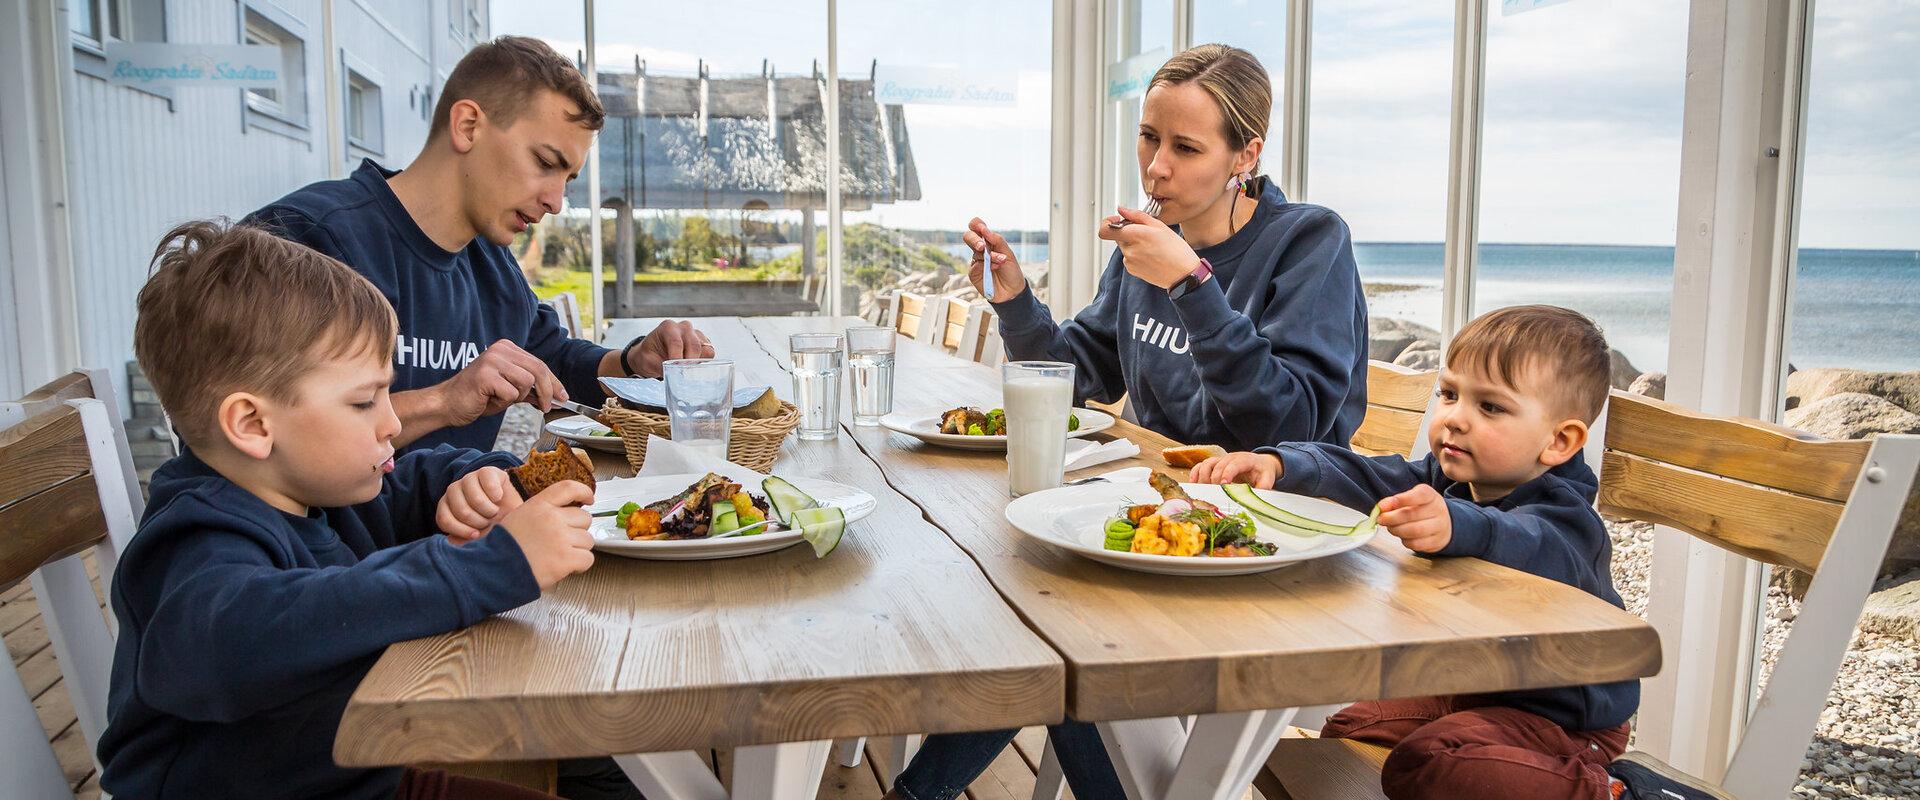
(816,383)
(870,368)
(700,403)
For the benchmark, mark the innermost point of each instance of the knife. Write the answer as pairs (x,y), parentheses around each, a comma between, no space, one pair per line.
(589,413)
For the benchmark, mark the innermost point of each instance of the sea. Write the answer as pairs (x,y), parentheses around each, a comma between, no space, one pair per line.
(1852,308)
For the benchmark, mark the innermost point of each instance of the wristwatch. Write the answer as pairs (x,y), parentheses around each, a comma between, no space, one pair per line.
(624,365)
(1198,276)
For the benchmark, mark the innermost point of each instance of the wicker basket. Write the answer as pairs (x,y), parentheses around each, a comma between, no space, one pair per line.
(753,443)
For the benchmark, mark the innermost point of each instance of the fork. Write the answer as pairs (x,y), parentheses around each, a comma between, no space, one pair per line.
(1152,209)
(1081,481)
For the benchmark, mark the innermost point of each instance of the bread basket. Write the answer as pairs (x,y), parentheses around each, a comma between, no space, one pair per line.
(753,443)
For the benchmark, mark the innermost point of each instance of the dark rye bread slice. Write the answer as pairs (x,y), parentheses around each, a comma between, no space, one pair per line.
(542,470)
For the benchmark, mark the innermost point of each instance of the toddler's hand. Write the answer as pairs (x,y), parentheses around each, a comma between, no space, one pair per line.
(1258,469)
(1420,519)
(551,530)
(475,502)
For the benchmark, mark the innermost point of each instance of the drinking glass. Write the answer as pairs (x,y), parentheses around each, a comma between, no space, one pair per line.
(700,403)
(816,383)
(870,368)
(1038,398)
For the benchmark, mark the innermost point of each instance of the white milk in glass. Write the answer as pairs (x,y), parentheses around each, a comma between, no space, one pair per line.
(1037,409)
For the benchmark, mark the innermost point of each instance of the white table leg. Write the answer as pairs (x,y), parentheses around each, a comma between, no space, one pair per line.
(1048,780)
(1159,759)
(681,775)
(846,752)
(789,771)
(900,752)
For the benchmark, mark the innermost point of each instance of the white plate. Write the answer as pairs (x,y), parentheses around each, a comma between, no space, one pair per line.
(574,429)
(925,426)
(611,494)
(1074,518)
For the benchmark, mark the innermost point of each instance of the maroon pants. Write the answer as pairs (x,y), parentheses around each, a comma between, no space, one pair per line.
(1452,747)
(433,784)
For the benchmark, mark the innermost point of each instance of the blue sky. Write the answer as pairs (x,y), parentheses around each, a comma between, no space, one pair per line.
(1582,133)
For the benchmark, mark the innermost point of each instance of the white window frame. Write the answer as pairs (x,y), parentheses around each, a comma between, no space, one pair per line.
(141,21)
(355,73)
(291,109)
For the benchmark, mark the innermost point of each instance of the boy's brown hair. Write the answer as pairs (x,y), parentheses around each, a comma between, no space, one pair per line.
(232,308)
(1568,347)
(503,77)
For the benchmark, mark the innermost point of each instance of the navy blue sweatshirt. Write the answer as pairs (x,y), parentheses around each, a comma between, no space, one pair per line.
(1546,527)
(244,629)
(452,306)
(1272,349)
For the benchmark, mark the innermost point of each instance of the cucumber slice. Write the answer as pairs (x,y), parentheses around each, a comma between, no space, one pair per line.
(1281,518)
(821,526)
(723,524)
(786,499)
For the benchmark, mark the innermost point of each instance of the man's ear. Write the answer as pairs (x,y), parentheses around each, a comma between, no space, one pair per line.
(243,421)
(1569,438)
(463,126)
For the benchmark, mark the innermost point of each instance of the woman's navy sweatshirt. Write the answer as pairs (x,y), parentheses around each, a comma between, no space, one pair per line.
(244,629)
(1546,527)
(451,306)
(1272,349)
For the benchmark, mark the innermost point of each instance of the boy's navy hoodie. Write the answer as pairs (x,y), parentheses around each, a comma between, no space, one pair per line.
(1546,527)
(1272,349)
(244,629)
(452,306)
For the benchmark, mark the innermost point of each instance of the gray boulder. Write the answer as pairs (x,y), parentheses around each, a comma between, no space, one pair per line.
(1812,385)
(1651,384)
(1388,337)
(1852,415)
(1621,371)
(1421,358)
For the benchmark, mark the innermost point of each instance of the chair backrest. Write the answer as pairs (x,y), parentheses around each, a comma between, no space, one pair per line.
(569,310)
(1779,496)
(953,325)
(882,311)
(914,315)
(980,339)
(67,481)
(1397,402)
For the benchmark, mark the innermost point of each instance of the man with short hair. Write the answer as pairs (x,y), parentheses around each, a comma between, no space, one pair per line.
(513,124)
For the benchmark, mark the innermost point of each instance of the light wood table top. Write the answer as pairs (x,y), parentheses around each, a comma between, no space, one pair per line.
(1372,623)
(897,631)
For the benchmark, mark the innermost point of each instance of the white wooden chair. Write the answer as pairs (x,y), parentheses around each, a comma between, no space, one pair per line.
(66,484)
(913,316)
(1769,493)
(568,308)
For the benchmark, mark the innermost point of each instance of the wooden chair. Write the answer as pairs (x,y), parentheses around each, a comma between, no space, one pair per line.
(66,485)
(1397,401)
(912,316)
(569,310)
(1769,493)
(981,339)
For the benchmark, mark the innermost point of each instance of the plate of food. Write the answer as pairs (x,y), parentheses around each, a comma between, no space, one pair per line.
(976,428)
(587,433)
(1163,526)
(691,516)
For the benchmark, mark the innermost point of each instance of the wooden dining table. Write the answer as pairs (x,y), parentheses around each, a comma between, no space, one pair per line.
(937,615)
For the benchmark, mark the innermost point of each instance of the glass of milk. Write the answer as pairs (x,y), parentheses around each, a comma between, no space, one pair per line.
(1038,397)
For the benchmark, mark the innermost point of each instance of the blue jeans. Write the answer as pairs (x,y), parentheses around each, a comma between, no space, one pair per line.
(949,762)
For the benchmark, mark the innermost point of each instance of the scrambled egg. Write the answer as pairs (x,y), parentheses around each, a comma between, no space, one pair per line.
(1157,535)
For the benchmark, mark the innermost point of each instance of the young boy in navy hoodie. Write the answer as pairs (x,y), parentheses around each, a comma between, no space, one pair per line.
(1505,482)
(287,548)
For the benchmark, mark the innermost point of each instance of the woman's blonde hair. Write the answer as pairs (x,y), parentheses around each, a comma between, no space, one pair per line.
(1237,82)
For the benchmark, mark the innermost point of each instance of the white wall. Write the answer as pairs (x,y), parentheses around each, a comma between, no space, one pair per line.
(141,163)
(11,384)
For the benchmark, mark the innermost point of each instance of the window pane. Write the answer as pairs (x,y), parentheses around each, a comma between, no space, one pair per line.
(1857,293)
(1380,116)
(945,113)
(1258,27)
(1581,167)
(82,18)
